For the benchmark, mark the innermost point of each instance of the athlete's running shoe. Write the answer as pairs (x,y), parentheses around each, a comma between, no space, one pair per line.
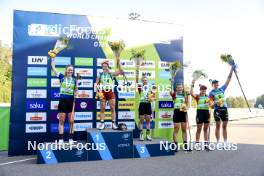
(148,137)
(141,136)
(114,126)
(101,126)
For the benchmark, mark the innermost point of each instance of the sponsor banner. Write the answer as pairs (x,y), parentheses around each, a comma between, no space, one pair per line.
(164,74)
(36,105)
(126,104)
(85,83)
(127,115)
(148,74)
(84,94)
(98,105)
(107,115)
(84,72)
(37,60)
(62,61)
(166,104)
(54,105)
(55,82)
(36,116)
(165,114)
(55,126)
(147,64)
(164,95)
(130,125)
(126,94)
(83,61)
(166,124)
(127,64)
(59,69)
(82,126)
(37,71)
(164,65)
(81,105)
(36,82)
(107,124)
(55,93)
(36,93)
(110,61)
(36,128)
(43,30)
(130,73)
(83,116)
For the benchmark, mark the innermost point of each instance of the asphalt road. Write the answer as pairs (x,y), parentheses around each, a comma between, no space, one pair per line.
(248,160)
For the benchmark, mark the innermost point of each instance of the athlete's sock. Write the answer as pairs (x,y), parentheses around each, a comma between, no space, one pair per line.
(102,121)
(148,131)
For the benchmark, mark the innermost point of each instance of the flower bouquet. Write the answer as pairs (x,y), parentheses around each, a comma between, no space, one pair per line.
(61,44)
(197,74)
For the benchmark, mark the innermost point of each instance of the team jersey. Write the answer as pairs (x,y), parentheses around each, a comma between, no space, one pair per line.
(106,80)
(202,102)
(144,93)
(67,87)
(218,95)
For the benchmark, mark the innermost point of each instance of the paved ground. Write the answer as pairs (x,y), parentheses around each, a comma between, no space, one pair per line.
(248,160)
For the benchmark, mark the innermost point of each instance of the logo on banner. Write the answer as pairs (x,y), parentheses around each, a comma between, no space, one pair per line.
(164,95)
(126,95)
(130,125)
(84,94)
(106,103)
(165,114)
(36,105)
(84,105)
(127,64)
(110,61)
(164,74)
(36,116)
(37,71)
(54,127)
(63,61)
(126,104)
(55,93)
(36,93)
(54,105)
(165,104)
(55,82)
(166,124)
(81,61)
(36,128)
(107,115)
(83,116)
(44,30)
(84,72)
(148,64)
(37,60)
(164,65)
(36,82)
(82,126)
(148,74)
(130,73)
(85,83)
(128,115)
(107,124)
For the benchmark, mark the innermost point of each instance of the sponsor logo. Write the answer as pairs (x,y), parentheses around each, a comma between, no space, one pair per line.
(37,60)
(82,126)
(59,69)
(44,30)
(36,93)
(164,95)
(83,105)
(83,116)
(127,64)
(37,71)
(62,60)
(54,127)
(107,115)
(55,82)
(36,105)
(164,65)
(54,105)
(130,73)
(148,64)
(84,83)
(165,114)
(165,104)
(148,74)
(126,115)
(81,61)
(126,104)
(55,93)
(36,82)
(84,72)
(36,128)
(164,74)
(110,61)
(166,124)
(107,124)
(84,94)
(130,125)
(98,105)
(126,95)
(36,116)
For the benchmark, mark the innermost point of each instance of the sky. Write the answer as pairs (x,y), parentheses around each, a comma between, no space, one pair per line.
(211,28)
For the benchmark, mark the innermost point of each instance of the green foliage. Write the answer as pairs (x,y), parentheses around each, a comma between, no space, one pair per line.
(6,74)
(238,102)
(260,100)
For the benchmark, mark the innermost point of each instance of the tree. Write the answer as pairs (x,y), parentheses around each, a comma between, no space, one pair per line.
(260,100)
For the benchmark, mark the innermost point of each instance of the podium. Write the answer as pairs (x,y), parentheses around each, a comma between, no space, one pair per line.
(102,145)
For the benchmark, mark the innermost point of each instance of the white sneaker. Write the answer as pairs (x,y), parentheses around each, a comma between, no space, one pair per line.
(148,137)
(101,126)
(114,126)
(141,136)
